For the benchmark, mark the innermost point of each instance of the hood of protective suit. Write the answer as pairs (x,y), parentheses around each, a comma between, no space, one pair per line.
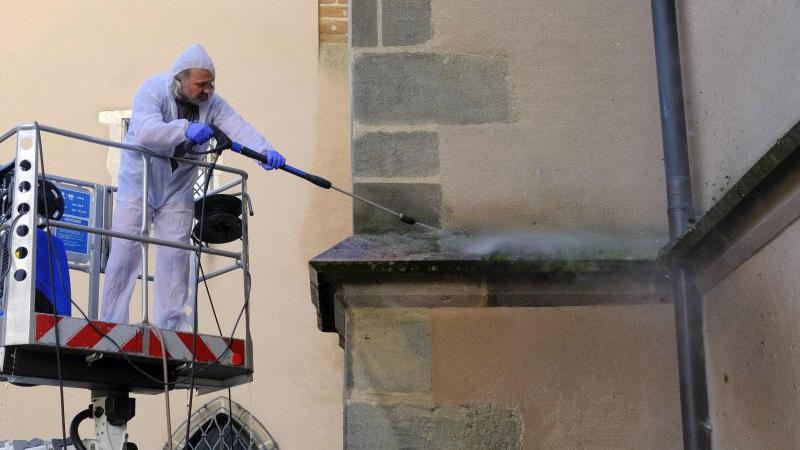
(194,57)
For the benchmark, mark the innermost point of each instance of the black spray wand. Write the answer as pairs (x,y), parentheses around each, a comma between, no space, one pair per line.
(224,142)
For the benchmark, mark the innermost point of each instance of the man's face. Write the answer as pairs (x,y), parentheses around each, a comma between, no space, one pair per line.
(198,87)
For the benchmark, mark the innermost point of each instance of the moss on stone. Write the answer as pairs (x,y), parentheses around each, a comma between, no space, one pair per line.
(456,253)
(785,147)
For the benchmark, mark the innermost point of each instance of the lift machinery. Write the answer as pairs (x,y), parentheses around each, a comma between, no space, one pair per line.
(110,359)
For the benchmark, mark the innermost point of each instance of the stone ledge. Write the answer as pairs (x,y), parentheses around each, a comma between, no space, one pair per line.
(741,190)
(764,201)
(430,271)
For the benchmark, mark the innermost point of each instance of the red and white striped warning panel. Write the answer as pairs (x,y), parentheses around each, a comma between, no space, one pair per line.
(137,340)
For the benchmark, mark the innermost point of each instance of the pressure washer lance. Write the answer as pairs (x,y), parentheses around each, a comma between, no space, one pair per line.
(224,142)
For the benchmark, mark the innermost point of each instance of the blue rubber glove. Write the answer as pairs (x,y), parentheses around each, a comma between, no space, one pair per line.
(199,133)
(274,160)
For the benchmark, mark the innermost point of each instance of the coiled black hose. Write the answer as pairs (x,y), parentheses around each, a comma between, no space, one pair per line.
(77,442)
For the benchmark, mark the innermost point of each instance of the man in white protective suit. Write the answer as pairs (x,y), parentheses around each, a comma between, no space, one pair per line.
(168,109)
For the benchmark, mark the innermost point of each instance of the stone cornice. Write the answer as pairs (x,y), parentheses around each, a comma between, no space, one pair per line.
(428,271)
(755,210)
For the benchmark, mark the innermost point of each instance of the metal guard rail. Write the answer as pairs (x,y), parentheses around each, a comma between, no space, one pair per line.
(240,259)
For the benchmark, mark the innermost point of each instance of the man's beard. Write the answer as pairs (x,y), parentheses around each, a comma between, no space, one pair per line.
(198,99)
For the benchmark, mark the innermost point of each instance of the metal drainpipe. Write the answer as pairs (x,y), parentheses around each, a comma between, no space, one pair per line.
(686,297)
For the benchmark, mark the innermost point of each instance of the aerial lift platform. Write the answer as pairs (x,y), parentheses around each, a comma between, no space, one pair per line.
(100,356)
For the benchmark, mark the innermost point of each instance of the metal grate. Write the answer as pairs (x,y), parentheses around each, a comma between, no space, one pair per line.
(220,432)
(215,427)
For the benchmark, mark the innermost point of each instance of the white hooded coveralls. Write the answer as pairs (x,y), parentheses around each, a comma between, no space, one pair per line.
(155,126)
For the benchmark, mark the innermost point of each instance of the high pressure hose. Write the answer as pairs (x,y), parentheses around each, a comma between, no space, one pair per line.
(224,143)
(160,337)
(74,436)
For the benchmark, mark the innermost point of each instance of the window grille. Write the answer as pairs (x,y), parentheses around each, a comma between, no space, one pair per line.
(213,429)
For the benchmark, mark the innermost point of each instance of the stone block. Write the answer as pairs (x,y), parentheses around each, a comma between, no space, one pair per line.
(406,22)
(417,290)
(364,23)
(409,426)
(412,88)
(396,154)
(577,289)
(386,350)
(423,201)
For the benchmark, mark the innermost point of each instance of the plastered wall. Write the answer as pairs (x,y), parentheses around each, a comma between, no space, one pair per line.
(557,122)
(63,62)
(741,72)
(741,78)
(593,377)
(752,320)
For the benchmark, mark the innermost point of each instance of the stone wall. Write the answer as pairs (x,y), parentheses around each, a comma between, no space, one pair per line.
(569,134)
(445,350)
(389,394)
(481,117)
(511,378)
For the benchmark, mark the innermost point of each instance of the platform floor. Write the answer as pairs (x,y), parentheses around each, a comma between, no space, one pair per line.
(90,360)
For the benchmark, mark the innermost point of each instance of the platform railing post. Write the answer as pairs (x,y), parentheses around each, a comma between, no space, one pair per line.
(21,276)
(145,232)
(96,251)
(246,272)
(5,237)
(194,281)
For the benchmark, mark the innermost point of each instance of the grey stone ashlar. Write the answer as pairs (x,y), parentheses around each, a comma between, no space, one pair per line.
(388,351)
(388,425)
(423,201)
(403,154)
(406,22)
(431,88)
(364,22)
(389,402)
